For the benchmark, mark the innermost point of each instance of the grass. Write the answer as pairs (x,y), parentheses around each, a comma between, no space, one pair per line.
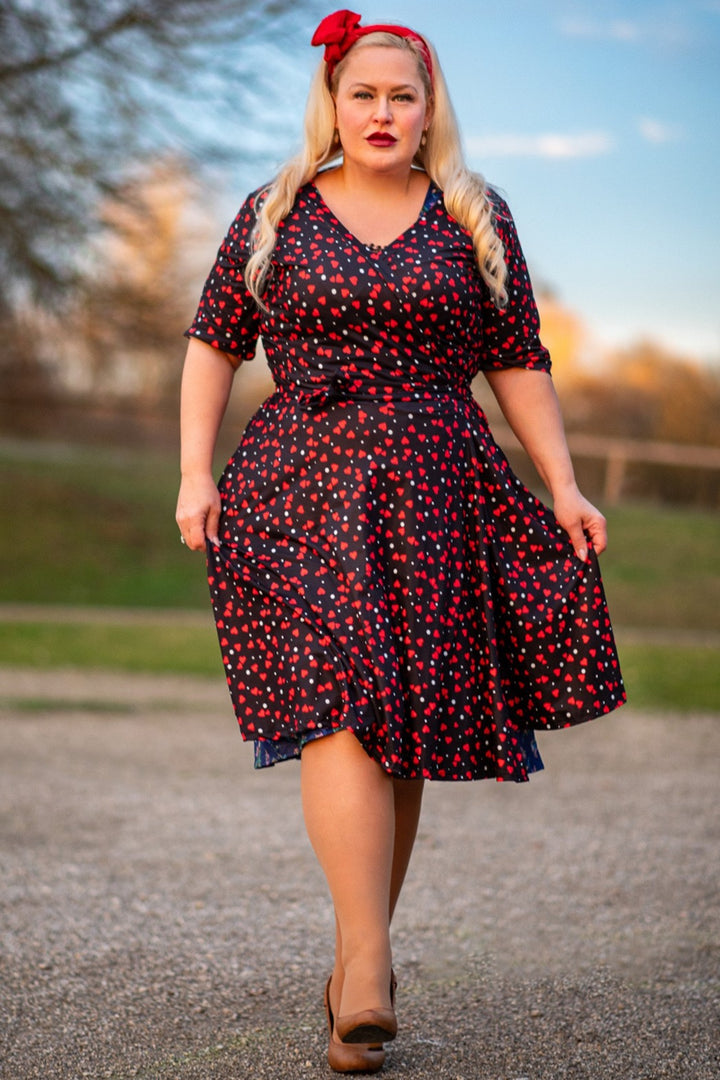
(661,569)
(186,650)
(50,705)
(95,530)
(98,529)
(677,677)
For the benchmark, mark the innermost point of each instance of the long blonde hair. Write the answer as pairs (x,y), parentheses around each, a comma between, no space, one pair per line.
(465,192)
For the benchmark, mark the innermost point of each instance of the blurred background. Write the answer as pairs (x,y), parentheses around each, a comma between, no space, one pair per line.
(129,135)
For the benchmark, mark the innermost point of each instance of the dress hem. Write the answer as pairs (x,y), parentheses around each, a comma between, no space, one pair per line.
(271,752)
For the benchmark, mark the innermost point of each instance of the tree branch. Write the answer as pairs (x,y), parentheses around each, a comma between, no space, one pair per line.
(129,20)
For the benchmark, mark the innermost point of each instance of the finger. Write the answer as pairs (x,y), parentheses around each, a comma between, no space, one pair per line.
(184,523)
(578,540)
(195,535)
(192,530)
(212,525)
(598,534)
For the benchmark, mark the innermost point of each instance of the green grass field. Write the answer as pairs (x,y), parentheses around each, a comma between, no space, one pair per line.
(97,529)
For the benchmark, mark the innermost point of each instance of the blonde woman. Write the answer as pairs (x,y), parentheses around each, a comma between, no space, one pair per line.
(392,604)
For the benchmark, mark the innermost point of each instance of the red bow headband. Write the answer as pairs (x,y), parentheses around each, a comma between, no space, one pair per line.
(339,32)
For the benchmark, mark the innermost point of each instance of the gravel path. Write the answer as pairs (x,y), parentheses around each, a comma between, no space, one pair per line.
(162,915)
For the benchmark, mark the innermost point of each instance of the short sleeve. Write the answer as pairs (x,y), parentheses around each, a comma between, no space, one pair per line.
(511,336)
(228,316)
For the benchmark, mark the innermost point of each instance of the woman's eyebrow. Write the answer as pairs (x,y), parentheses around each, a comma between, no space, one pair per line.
(393,89)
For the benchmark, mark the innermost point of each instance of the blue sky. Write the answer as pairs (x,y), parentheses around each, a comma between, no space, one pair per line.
(600,122)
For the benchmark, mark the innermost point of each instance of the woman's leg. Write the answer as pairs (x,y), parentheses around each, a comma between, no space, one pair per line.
(349,812)
(407,796)
(362,825)
(408,802)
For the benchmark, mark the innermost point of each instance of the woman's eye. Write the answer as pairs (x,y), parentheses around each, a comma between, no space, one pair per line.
(366,95)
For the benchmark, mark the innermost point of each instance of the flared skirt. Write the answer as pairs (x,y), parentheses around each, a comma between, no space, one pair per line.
(381,569)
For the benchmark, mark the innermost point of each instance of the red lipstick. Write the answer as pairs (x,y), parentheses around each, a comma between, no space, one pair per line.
(380,138)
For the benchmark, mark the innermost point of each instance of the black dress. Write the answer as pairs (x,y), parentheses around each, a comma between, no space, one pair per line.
(381,569)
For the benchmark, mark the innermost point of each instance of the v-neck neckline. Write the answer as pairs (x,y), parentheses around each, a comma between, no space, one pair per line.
(373,248)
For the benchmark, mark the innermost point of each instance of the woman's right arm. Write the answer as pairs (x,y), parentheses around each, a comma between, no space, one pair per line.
(206,383)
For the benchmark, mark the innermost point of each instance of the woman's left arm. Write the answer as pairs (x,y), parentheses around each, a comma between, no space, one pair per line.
(530,406)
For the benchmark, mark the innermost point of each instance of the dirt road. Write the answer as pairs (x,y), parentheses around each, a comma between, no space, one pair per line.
(162,915)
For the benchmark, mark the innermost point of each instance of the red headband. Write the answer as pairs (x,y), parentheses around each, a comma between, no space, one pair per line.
(339,32)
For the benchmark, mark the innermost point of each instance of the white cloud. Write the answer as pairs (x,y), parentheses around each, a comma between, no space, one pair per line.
(655,131)
(614,30)
(674,31)
(550,145)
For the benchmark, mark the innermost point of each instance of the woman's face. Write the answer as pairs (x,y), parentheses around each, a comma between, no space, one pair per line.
(381,109)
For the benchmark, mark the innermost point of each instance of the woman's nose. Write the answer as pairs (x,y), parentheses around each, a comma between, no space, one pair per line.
(383,112)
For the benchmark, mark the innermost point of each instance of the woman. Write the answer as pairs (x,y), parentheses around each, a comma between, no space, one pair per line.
(392,604)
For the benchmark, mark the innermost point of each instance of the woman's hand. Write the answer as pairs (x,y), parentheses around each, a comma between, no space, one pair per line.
(206,382)
(198,511)
(579,518)
(530,406)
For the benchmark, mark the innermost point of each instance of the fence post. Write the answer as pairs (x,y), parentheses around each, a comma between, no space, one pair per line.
(615,475)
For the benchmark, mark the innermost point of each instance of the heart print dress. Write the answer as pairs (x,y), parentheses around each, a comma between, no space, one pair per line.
(381,569)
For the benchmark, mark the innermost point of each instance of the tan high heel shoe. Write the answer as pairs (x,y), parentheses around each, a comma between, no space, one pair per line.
(370,1025)
(347,1057)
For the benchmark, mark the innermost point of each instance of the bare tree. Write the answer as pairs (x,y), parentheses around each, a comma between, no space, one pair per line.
(123,323)
(86,89)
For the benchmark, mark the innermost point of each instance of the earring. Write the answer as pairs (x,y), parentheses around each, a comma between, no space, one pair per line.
(336,137)
(423,140)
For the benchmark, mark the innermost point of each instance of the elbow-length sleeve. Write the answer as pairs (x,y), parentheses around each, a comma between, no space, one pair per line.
(511,336)
(227,316)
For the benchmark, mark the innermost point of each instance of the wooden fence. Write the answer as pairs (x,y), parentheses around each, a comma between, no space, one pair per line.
(618,454)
